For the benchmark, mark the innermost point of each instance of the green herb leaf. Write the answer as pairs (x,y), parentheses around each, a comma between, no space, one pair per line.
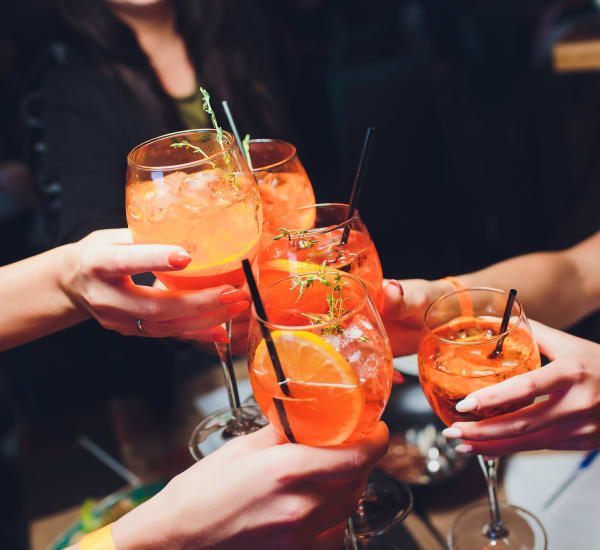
(246,146)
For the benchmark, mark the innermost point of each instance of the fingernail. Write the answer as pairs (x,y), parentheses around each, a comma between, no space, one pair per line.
(232,296)
(452,433)
(217,334)
(464,448)
(466,405)
(238,307)
(397,284)
(179,259)
(397,378)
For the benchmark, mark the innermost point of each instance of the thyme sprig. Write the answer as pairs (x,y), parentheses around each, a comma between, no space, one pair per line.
(335,298)
(246,146)
(296,238)
(220,139)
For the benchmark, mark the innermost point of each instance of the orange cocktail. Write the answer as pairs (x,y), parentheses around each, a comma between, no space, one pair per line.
(300,240)
(454,362)
(281,178)
(199,195)
(334,353)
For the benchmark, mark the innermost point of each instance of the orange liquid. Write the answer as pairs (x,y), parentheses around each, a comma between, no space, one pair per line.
(322,414)
(217,224)
(358,257)
(281,192)
(449,372)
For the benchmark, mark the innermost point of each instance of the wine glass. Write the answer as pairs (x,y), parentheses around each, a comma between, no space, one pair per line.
(336,366)
(194,189)
(457,356)
(299,240)
(281,178)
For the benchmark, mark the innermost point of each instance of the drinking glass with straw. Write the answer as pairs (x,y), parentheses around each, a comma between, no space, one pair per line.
(474,338)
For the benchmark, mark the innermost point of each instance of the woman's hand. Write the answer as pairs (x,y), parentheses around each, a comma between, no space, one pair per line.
(569,419)
(255,492)
(98,280)
(403,310)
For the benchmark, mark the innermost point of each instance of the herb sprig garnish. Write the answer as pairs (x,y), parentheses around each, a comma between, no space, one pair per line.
(335,298)
(296,238)
(220,139)
(246,145)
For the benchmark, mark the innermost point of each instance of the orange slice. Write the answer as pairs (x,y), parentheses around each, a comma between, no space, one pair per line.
(326,399)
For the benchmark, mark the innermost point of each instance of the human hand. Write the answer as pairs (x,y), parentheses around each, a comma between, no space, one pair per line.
(403,310)
(255,492)
(98,281)
(569,419)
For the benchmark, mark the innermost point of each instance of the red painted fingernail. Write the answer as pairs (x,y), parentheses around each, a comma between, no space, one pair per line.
(232,296)
(217,334)
(397,284)
(179,259)
(238,307)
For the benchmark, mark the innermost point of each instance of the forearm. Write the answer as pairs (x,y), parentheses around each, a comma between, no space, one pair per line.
(33,299)
(556,288)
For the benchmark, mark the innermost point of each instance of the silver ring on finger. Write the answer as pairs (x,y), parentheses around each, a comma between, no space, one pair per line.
(141,328)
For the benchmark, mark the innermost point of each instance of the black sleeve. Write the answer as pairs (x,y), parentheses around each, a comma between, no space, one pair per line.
(86,138)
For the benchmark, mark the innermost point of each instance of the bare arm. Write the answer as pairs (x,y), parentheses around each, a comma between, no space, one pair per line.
(33,303)
(556,288)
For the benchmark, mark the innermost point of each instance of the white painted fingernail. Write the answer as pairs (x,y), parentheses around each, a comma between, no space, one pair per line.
(466,405)
(452,433)
(464,449)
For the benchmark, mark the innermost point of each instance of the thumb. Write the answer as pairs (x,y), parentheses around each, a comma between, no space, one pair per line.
(123,260)
(394,306)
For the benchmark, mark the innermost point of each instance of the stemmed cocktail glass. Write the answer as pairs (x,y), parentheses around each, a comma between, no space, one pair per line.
(281,178)
(457,356)
(194,189)
(336,360)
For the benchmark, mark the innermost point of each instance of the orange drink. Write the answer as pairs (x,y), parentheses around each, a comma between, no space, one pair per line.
(454,362)
(300,240)
(200,196)
(334,353)
(281,178)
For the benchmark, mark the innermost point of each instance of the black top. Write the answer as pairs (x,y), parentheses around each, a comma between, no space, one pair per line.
(90,124)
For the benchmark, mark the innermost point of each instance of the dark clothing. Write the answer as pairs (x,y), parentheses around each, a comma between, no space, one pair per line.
(90,124)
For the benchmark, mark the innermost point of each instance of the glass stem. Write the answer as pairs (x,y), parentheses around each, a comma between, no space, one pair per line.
(489,466)
(224,351)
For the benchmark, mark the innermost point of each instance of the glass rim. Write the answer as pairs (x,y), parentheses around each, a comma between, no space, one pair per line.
(230,142)
(274,326)
(279,162)
(318,230)
(481,341)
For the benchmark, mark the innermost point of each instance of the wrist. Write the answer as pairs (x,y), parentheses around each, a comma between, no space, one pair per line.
(153,525)
(66,270)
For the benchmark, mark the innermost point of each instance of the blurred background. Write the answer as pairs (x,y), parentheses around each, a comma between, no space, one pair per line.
(484,150)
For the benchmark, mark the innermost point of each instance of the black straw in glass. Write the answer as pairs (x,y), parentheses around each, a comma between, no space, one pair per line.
(358,180)
(281,379)
(507,311)
(234,129)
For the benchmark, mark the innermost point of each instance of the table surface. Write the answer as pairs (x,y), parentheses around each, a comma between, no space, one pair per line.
(437,505)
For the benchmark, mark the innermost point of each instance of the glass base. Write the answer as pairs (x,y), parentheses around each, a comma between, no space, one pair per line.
(219,427)
(370,544)
(470,530)
(385,502)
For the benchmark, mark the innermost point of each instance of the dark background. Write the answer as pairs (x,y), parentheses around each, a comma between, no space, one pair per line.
(482,152)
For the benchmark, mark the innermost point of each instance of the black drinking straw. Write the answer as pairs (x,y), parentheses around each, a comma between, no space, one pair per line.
(507,311)
(358,180)
(281,379)
(234,130)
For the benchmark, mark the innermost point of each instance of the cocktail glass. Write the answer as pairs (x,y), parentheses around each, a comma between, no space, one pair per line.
(461,330)
(299,240)
(281,178)
(337,363)
(194,189)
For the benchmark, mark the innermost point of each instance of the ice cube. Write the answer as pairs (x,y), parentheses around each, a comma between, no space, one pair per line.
(158,201)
